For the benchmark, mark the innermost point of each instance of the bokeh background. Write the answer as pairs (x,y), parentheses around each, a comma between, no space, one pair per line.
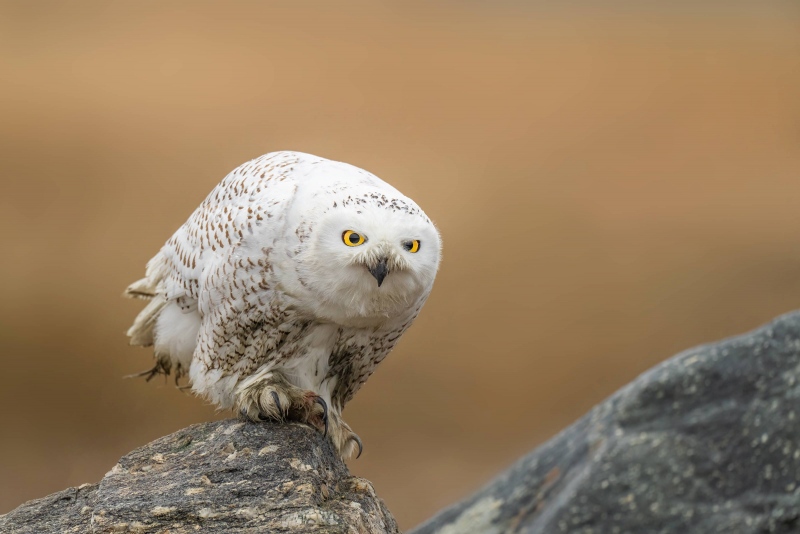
(613,184)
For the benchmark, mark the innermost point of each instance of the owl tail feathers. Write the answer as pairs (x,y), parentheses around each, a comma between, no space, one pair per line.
(142,289)
(147,287)
(141,332)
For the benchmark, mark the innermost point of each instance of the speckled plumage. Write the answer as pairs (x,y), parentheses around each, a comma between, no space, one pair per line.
(265,307)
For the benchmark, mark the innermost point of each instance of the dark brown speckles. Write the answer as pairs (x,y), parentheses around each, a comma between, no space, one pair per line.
(380,200)
(303,231)
(246,322)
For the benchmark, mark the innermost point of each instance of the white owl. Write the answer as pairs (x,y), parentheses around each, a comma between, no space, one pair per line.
(286,288)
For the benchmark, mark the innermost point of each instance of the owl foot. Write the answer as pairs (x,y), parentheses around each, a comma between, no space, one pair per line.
(160,368)
(311,409)
(271,397)
(344,439)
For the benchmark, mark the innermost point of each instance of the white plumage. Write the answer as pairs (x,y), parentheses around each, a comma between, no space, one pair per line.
(286,287)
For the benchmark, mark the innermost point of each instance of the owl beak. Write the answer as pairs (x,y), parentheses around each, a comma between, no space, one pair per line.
(380,270)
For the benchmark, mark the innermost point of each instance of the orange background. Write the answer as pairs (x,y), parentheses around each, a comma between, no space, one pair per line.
(612,185)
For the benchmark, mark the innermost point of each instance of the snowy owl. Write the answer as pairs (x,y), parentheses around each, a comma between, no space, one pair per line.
(286,288)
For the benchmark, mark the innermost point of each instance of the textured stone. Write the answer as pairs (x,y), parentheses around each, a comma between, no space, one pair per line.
(706,442)
(227,476)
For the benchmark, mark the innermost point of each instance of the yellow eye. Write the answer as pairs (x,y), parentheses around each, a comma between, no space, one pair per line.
(352,239)
(411,245)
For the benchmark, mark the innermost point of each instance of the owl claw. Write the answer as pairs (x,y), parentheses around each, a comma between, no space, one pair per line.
(148,375)
(355,438)
(321,402)
(277,401)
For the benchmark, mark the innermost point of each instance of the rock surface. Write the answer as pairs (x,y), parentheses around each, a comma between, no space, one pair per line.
(707,442)
(227,476)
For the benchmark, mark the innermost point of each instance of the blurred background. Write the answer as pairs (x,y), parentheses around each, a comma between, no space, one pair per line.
(613,185)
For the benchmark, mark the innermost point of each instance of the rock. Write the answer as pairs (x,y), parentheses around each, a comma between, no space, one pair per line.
(707,442)
(228,476)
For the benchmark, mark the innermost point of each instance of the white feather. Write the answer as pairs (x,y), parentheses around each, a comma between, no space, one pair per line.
(259,281)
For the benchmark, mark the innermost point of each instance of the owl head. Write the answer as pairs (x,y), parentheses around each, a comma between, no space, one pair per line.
(368,257)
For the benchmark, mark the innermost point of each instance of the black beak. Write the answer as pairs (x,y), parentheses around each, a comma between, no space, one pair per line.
(380,270)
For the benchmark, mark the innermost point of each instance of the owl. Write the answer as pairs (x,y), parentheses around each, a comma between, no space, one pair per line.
(284,290)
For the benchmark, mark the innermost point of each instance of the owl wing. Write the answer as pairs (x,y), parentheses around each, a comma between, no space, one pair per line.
(214,264)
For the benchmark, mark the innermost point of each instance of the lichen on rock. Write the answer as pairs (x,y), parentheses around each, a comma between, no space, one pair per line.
(226,476)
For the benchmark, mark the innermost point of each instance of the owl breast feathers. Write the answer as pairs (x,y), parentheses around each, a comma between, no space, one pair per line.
(286,288)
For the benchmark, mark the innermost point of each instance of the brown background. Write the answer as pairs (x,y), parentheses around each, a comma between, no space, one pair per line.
(613,185)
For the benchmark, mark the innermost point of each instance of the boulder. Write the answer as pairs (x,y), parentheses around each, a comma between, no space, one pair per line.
(227,476)
(706,442)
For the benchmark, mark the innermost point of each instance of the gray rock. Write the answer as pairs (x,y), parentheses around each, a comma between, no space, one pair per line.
(707,442)
(229,476)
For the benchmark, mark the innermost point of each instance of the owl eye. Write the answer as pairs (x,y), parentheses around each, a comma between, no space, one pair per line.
(352,239)
(411,245)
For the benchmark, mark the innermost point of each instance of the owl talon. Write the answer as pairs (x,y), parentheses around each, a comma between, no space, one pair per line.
(148,375)
(354,437)
(321,402)
(277,401)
